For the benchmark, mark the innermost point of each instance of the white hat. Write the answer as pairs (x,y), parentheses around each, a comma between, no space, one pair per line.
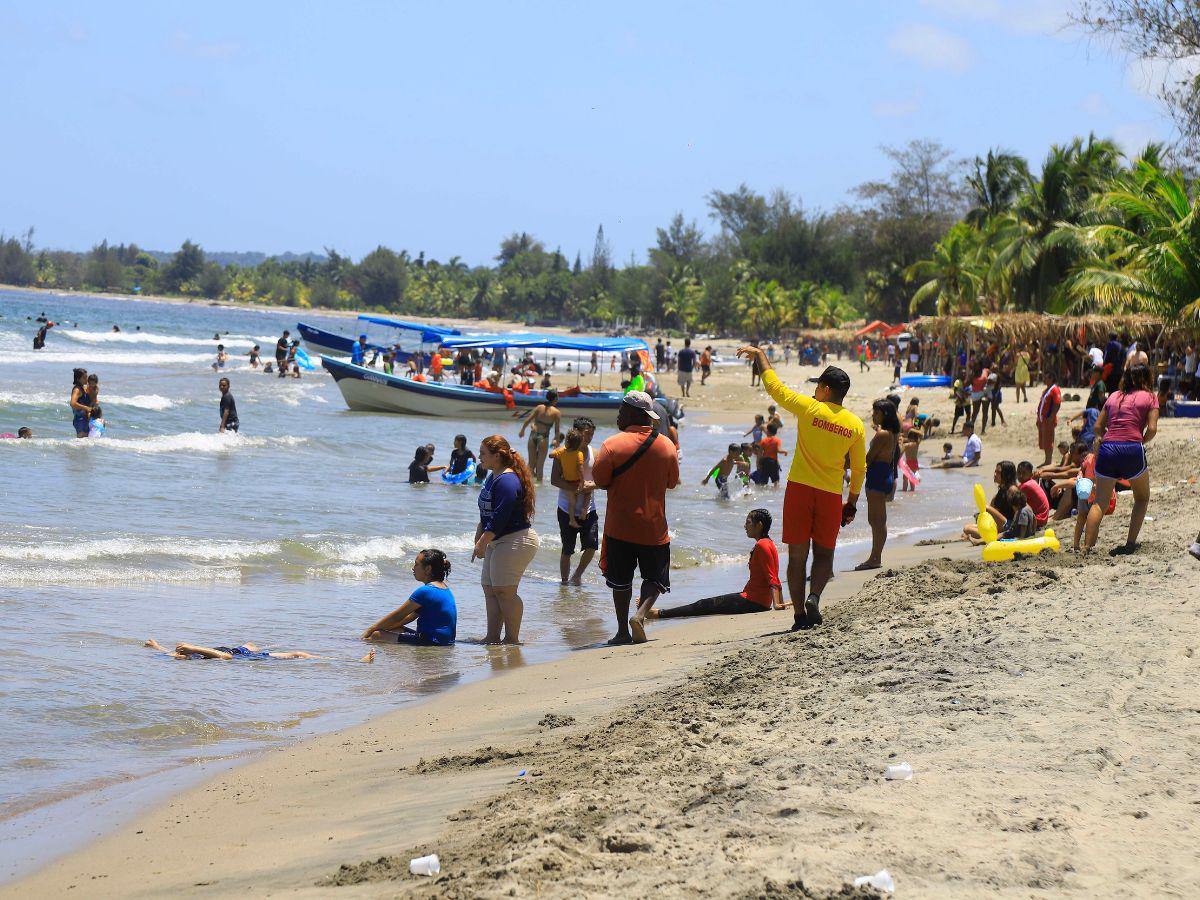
(641,400)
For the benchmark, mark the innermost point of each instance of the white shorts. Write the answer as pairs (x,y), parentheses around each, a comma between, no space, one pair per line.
(507,558)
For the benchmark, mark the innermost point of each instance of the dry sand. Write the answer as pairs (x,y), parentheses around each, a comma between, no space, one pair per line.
(1048,707)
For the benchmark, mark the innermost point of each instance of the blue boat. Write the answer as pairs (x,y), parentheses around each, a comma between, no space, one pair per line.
(406,339)
(367,389)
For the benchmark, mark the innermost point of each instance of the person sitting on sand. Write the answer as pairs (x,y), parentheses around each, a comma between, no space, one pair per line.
(972,452)
(1035,496)
(245,651)
(1195,548)
(1005,477)
(723,469)
(1022,523)
(947,452)
(431,606)
(762,591)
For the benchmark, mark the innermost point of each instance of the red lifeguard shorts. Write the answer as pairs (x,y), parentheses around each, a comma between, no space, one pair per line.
(811,514)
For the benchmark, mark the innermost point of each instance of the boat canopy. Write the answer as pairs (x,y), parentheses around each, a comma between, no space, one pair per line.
(530,341)
(430,334)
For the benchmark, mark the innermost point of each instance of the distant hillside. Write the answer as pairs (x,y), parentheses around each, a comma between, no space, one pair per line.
(245,259)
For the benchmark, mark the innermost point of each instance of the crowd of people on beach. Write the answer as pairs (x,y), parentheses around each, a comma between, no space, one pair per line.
(832,466)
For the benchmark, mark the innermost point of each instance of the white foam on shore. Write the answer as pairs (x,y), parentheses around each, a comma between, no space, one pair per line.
(158,340)
(154,402)
(344,572)
(88,357)
(187,442)
(391,548)
(93,574)
(133,546)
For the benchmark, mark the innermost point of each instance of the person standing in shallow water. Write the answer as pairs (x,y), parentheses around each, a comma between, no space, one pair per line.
(813,512)
(637,468)
(504,540)
(80,407)
(229,416)
(882,458)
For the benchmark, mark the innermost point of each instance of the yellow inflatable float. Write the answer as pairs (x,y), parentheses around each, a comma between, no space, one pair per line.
(1001,551)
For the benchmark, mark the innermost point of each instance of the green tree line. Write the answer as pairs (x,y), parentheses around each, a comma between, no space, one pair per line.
(1090,230)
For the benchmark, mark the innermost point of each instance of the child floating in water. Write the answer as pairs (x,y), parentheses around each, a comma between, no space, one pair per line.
(723,469)
(762,591)
(570,458)
(244,651)
(96,422)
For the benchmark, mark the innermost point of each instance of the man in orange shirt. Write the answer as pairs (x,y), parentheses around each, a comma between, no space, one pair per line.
(637,467)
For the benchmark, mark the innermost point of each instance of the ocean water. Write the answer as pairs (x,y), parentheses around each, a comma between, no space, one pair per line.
(295,534)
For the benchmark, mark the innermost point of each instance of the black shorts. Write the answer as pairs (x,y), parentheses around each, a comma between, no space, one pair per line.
(588,533)
(768,470)
(619,558)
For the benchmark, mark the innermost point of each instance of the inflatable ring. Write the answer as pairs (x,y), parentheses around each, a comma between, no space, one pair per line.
(461,477)
(925,380)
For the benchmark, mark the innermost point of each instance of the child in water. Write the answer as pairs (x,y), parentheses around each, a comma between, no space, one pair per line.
(96,422)
(947,452)
(757,429)
(222,357)
(912,444)
(460,456)
(570,458)
(419,468)
(243,651)
(723,469)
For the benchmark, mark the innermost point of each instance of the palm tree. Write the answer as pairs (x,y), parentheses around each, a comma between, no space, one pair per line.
(829,308)
(953,278)
(1147,257)
(765,307)
(996,185)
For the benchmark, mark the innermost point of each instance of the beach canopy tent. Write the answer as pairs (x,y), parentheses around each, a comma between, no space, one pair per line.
(885,330)
(527,340)
(430,334)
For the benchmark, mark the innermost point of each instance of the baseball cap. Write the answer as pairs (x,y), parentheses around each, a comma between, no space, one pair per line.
(641,400)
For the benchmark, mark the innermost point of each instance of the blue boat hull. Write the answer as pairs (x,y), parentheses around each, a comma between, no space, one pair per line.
(329,343)
(368,390)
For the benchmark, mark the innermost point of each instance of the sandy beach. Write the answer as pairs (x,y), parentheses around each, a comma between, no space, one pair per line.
(1047,707)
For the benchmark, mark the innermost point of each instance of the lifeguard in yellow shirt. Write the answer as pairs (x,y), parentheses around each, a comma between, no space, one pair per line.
(827,435)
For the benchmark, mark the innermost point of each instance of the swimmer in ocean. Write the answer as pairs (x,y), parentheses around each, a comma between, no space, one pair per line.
(243,651)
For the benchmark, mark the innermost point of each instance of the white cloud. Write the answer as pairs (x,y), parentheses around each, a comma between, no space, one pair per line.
(896,108)
(1132,137)
(932,47)
(1148,76)
(1025,16)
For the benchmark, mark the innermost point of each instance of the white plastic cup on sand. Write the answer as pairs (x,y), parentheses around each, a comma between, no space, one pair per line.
(881,881)
(900,772)
(425,865)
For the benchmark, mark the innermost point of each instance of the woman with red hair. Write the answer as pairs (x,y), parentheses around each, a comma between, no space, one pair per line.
(504,540)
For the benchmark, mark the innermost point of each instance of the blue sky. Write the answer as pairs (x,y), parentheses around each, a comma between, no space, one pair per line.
(443,127)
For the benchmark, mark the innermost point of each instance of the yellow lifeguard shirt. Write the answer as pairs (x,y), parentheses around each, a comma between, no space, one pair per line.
(825,434)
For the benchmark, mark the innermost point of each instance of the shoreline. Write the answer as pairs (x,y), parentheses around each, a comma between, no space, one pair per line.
(579,694)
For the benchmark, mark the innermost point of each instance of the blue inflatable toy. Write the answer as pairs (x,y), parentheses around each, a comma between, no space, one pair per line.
(925,380)
(462,477)
(304,361)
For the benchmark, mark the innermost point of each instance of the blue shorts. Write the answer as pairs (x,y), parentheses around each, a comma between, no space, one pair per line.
(1121,459)
(81,421)
(243,653)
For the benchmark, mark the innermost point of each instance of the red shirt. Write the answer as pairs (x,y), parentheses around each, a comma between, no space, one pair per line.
(764,573)
(770,447)
(1047,409)
(637,499)
(1036,498)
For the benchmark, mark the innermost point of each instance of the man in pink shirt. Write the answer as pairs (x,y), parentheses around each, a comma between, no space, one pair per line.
(1047,416)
